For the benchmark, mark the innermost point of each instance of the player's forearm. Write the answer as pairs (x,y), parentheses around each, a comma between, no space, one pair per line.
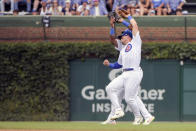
(112,37)
(115,65)
(125,23)
(134,25)
(113,40)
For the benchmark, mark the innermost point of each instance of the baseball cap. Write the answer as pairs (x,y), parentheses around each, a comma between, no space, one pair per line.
(126,32)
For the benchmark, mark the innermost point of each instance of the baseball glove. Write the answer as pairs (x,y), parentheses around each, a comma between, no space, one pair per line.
(123,13)
(115,15)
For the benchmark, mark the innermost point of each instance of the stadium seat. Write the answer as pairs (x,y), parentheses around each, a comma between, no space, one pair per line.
(189,7)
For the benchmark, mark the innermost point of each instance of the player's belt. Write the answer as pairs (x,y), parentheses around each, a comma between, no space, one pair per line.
(128,69)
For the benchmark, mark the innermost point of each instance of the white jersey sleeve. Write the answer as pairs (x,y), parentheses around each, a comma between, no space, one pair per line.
(120,46)
(137,38)
(120,59)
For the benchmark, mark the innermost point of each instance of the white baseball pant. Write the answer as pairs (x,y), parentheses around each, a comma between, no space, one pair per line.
(129,82)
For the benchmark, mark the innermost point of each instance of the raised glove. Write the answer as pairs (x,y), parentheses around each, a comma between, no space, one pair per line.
(115,15)
(123,13)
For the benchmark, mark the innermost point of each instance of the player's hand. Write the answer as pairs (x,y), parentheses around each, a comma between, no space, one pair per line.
(123,13)
(120,20)
(106,62)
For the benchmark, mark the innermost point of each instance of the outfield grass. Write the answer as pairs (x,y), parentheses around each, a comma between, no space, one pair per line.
(96,126)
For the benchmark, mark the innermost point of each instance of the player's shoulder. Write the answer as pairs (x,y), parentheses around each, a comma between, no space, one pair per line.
(137,34)
(136,39)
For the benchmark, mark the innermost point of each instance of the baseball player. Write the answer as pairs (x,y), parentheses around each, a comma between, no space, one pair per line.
(128,82)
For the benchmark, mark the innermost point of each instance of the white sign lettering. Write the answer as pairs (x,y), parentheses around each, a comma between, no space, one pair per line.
(90,93)
(106,107)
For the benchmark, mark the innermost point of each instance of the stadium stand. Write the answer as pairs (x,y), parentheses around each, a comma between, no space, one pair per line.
(189,7)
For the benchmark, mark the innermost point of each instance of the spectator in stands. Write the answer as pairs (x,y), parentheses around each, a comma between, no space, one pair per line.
(11,2)
(55,9)
(83,9)
(156,7)
(35,7)
(109,5)
(61,6)
(79,2)
(46,7)
(97,9)
(144,7)
(0,5)
(15,12)
(133,7)
(175,7)
(67,9)
(166,9)
(74,8)
(27,2)
(119,4)
(75,4)
(101,2)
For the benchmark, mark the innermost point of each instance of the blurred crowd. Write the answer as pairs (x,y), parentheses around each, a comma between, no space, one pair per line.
(91,7)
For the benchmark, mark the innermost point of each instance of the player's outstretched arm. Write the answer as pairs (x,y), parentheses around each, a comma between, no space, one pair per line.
(112,65)
(112,32)
(133,26)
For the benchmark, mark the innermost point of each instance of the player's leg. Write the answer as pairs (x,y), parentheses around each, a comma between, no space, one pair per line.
(147,116)
(108,120)
(120,98)
(142,107)
(113,90)
(133,79)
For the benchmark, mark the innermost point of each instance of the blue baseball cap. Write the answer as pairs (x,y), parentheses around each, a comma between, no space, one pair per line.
(126,32)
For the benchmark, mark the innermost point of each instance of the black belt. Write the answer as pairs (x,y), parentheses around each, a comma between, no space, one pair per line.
(128,69)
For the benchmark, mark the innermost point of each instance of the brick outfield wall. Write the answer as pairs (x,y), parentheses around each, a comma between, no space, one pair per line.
(156,34)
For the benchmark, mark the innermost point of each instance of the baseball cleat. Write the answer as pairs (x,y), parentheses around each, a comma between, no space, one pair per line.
(138,121)
(148,120)
(118,114)
(113,122)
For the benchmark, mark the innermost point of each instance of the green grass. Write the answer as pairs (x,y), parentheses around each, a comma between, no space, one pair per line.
(96,126)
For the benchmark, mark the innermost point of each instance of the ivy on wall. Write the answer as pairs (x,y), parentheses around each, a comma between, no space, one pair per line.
(34,76)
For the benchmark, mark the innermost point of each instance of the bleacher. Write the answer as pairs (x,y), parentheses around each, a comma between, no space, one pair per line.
(189,7)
